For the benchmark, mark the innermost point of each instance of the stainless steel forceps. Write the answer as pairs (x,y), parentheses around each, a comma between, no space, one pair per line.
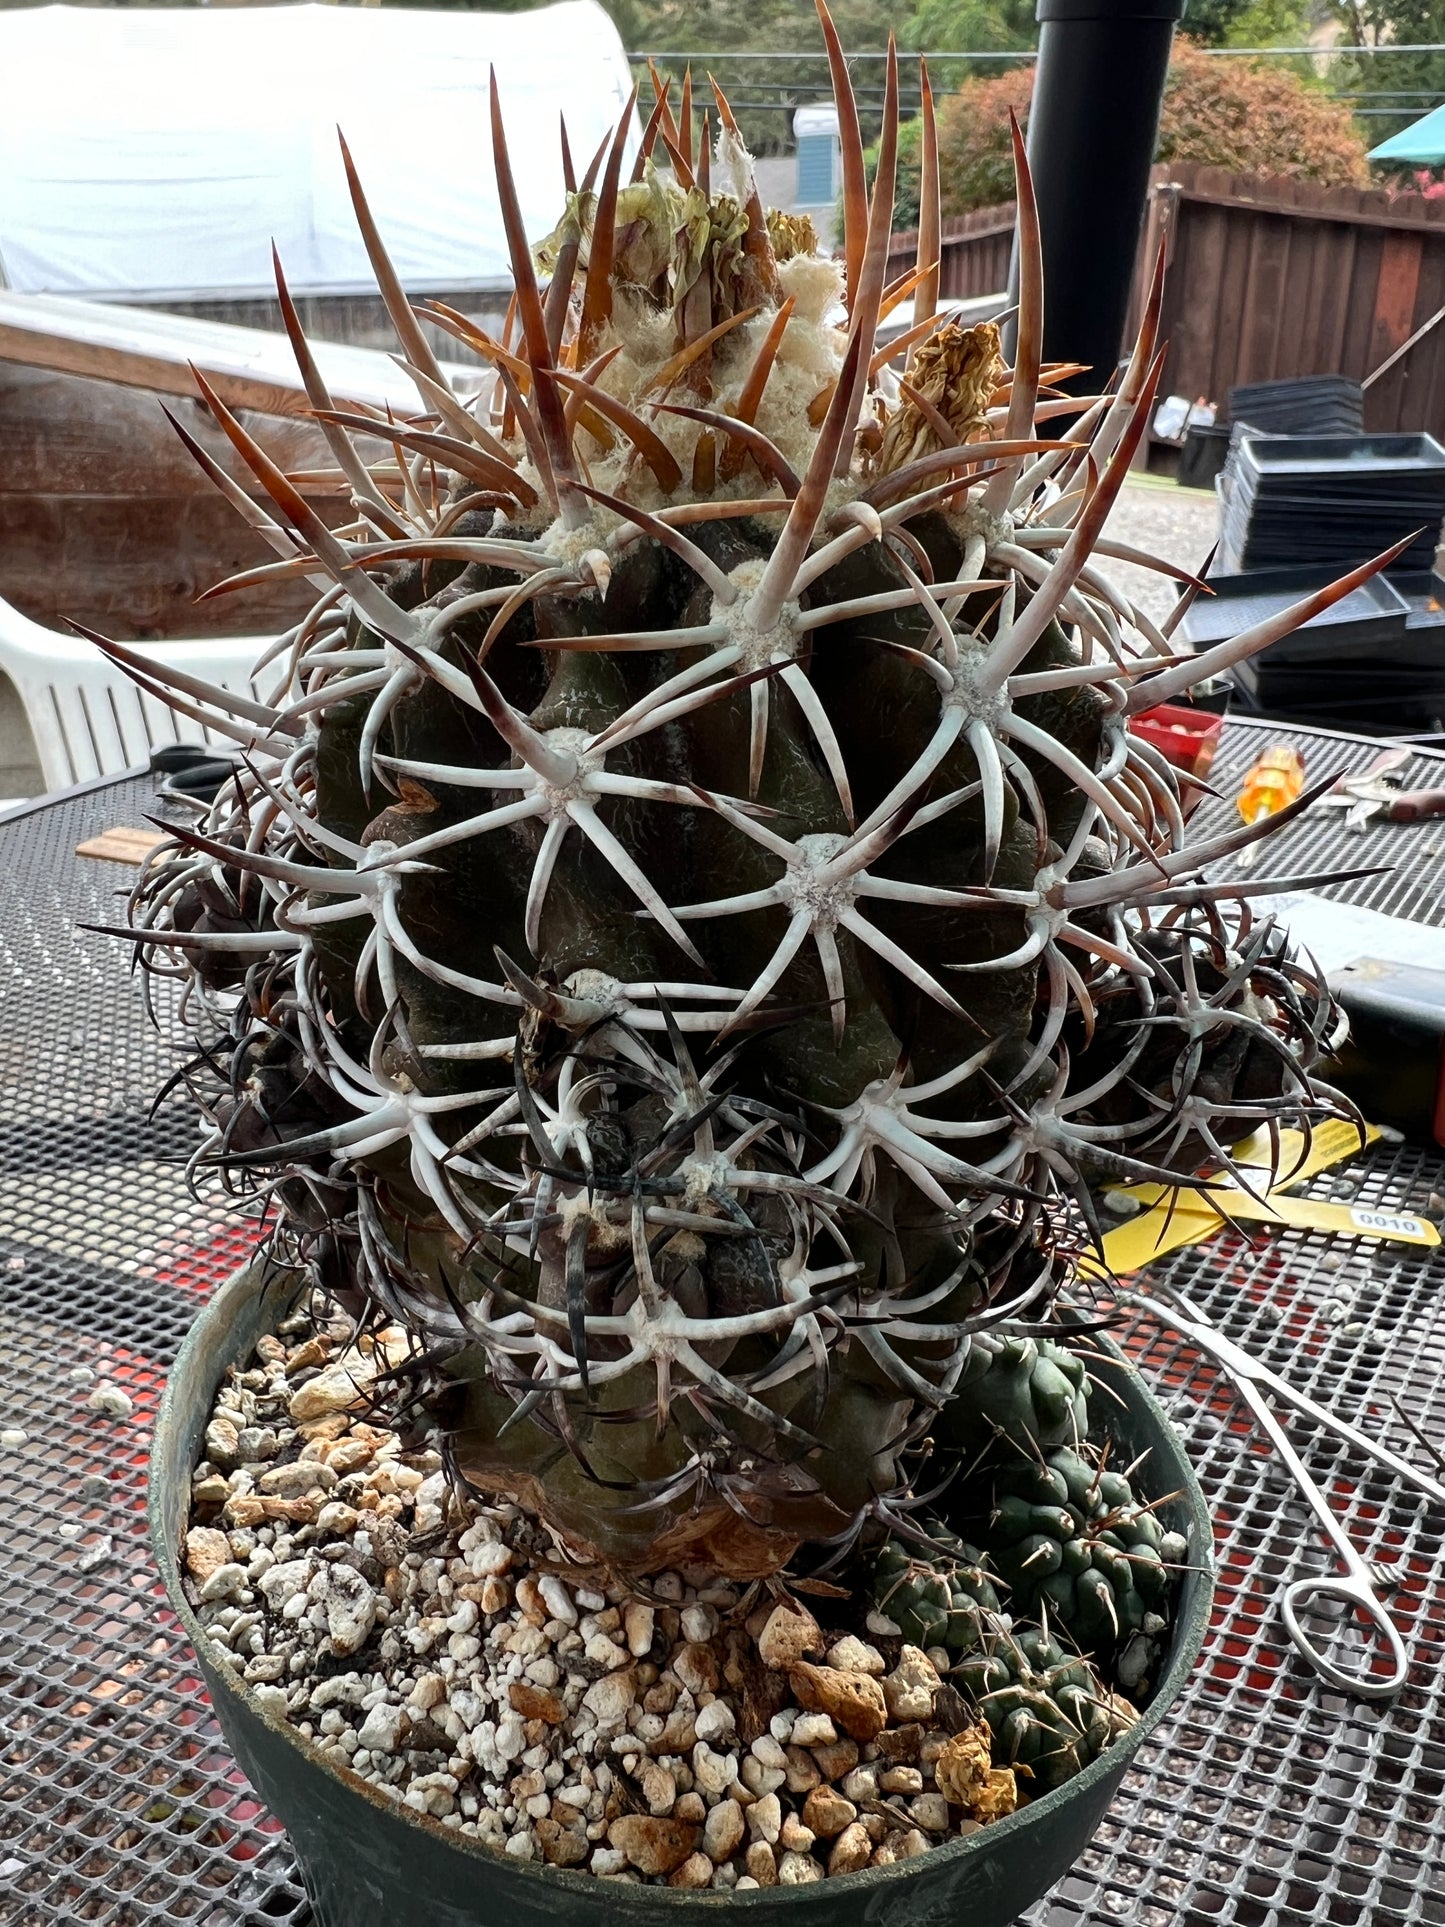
(1359,1587)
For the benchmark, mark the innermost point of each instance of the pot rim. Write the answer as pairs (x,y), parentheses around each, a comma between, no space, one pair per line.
(1189,1630)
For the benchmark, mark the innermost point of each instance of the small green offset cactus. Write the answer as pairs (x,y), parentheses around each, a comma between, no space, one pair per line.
(939,1600)
(1048,1711)
(1070,1538)
(1031,1393)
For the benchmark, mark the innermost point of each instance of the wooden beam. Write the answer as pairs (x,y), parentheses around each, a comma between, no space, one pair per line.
(248,367)
(1309,211)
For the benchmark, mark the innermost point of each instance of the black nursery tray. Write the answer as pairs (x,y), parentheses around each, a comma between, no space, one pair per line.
(1317,459)
(1300,405)
(1373,615)
(1333,499)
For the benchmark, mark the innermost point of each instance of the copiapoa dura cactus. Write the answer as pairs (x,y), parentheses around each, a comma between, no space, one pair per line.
(690,916)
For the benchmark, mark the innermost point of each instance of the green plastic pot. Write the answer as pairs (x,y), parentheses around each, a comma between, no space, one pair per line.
(369,1863)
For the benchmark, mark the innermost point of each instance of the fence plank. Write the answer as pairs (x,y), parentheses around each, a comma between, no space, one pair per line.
(1264,297)
(1332,264)
(1395,295)
(1418,394)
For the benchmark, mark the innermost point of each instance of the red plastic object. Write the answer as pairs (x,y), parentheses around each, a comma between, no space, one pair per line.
(1187,738)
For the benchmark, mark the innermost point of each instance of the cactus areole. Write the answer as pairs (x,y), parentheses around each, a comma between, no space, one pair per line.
(690,916)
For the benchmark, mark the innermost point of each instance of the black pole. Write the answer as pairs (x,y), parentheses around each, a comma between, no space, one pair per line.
(1093,127)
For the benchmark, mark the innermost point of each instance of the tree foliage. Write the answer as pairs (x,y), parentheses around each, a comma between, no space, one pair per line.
(1221,113)
(1257,120)
(1249,23)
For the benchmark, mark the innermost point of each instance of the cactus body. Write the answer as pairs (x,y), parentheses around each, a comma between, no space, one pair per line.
(942,1598)
(692,907)
(1070,1538)
(1049,1712)
(1017,1392)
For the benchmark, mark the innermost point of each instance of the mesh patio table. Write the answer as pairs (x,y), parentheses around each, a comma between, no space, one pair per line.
(1264,1799)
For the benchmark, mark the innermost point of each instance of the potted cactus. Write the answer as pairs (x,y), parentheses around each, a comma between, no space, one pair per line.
(688,923)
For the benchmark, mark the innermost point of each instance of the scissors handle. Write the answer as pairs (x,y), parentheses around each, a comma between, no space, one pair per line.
(1354,1592)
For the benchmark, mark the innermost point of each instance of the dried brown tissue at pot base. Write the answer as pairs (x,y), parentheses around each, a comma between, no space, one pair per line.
(686,960)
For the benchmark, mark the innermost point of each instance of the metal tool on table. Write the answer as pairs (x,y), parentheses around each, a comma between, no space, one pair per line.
(1360,1587)
(1375,795)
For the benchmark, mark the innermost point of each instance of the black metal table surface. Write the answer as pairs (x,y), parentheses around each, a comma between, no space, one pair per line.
(1264,1798)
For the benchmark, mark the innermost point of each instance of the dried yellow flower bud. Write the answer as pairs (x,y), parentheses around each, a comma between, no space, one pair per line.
(953,375)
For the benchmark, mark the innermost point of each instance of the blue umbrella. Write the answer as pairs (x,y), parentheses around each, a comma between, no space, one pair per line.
(1421,145)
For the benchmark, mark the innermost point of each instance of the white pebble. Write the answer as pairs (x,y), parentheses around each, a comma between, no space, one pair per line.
(490,1559)
(464,1619)
(930,1810)
(717,1722)
(14,1435)
(602,1651)
(557,1599)
(110,1400)
(853,1655)
(712,1772)
(382,1729)
(96,1555)
(637,1620)
(223,1583)
(760,1779)
(698,1623)
(765,1818)
(510,1738)
(610,1698)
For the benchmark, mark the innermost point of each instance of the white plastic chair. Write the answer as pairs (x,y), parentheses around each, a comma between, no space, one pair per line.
(86,716)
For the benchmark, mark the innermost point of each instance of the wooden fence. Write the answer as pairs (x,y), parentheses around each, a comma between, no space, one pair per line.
(1268,279)
(975,256)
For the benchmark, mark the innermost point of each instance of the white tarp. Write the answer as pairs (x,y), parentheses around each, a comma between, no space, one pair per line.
(146,152)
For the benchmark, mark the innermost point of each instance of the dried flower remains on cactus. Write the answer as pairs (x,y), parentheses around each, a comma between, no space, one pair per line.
(690,916)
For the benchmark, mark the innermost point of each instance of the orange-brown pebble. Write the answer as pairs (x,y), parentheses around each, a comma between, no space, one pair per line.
(826,1812)
(853,1701)
(653,1843)
(695,1871)
(762,1864)
(836,1760)
(851,1850)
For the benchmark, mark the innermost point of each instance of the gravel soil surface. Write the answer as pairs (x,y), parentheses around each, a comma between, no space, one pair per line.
(697,1736)
(1178,525)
